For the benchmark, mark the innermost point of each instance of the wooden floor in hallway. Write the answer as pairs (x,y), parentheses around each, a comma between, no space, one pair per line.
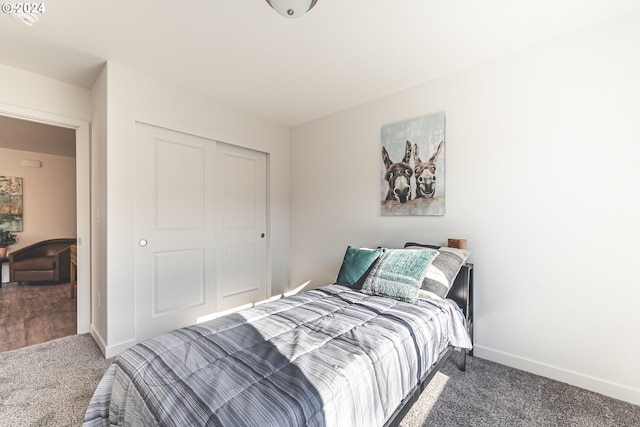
(31,314)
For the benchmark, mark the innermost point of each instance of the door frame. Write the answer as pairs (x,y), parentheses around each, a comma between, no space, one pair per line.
(83,199)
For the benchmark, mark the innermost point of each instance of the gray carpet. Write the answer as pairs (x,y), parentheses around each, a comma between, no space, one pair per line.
(50,385)
(488,394)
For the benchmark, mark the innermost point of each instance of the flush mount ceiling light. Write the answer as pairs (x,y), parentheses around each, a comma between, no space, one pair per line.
(292,8)
(29,19)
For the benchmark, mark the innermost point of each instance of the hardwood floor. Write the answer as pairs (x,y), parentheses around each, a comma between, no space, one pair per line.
(31,314)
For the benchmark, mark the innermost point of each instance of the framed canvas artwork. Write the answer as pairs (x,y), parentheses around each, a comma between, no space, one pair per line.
(413,172)
(10,203)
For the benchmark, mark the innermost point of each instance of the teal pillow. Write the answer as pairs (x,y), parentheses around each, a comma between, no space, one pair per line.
(355,265)
(399,273)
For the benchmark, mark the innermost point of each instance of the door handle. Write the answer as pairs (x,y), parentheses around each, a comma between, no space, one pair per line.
(143,242)
(262,235)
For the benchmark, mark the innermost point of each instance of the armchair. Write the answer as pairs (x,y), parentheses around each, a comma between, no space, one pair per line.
(48,260)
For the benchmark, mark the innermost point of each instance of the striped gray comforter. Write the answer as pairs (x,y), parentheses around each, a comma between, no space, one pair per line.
(327,357)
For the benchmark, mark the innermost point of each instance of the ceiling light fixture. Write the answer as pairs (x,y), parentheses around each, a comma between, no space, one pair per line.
(29,19)
(292,8)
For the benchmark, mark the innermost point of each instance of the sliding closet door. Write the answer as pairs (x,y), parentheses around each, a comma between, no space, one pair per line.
(175,229)
(200,215)
(242,221)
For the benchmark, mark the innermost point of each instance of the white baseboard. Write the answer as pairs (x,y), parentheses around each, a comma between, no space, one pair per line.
(598,385)
(98,339)
(109,351)
(114,350)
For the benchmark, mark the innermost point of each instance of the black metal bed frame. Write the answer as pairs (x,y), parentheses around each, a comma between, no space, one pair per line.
(462,293)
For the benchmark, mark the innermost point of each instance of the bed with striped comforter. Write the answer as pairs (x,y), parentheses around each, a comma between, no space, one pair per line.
(327,357)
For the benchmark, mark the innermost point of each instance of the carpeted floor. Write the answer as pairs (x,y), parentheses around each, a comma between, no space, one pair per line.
(50,384)
(488,394)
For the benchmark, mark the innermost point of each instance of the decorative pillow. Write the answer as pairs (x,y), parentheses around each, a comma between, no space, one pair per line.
(442,272)
(355,265)
(398,273)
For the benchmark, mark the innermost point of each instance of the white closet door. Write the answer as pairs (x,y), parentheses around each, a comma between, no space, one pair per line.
(175,229)
(200,214)
(242,221)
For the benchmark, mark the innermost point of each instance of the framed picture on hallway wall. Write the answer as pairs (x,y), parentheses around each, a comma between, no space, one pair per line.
(413,159)
(10,203)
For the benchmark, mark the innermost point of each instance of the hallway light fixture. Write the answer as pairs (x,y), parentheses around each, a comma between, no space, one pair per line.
(292,8)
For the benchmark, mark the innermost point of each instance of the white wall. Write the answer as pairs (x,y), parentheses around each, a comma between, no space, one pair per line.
(99,242)
(134,97)
(36,92)
(541,150)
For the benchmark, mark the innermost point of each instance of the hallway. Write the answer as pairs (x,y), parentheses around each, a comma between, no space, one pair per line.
(31,314)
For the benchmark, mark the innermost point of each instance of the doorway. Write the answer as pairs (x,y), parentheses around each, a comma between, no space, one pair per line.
(83,208)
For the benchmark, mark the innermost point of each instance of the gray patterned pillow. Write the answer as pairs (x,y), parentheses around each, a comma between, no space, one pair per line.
(442,272)
(398,273)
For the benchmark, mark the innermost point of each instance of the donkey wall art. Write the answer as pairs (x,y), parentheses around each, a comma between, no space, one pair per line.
(413,160)
(398,175)
(426,173)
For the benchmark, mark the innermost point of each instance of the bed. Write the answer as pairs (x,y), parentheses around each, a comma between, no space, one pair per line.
(346,354)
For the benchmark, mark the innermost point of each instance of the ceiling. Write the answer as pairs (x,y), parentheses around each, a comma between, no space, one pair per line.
(242,53)
(23,135)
